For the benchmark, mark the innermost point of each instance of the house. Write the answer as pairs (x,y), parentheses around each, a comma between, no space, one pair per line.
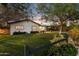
(76,22)
(70,22)
(25,25)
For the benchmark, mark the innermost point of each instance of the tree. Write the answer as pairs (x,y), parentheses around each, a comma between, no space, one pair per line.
(14,11)
(62,11)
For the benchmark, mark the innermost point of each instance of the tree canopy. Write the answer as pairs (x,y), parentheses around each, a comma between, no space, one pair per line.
(14,11)
(61,10)
(64,11)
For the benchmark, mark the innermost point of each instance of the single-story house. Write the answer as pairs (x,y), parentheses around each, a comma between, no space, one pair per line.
(25,25)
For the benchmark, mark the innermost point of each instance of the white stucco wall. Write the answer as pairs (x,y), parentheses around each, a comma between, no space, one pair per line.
(68,23)
(26,27)
(38,27)
(34,25)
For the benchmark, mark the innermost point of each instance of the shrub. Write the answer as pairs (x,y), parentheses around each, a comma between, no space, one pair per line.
(68,50)
(54,51)
(65,35)
(17,33)
(74,34)
(34,32)
(64,50)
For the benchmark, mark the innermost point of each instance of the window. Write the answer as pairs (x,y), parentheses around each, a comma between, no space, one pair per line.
(42,28)
(19,27)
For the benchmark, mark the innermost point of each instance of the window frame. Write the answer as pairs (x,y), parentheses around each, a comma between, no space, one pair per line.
(19,27)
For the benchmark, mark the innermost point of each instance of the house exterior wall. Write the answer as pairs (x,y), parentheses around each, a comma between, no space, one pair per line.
(28,26)
(36,27)
(78,22)
(68,23)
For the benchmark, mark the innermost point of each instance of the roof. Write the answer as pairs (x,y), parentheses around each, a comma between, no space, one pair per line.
(21,20)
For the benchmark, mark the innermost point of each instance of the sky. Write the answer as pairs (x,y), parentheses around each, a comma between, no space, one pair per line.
(37,17)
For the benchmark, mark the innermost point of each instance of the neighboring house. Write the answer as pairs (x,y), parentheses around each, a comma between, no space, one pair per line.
(76,22)
(25,26)
(70,22)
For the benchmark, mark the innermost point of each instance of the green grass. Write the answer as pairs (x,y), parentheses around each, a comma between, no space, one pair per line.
(14,44)
(41,39)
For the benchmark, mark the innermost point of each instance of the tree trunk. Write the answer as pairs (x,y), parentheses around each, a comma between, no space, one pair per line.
(60,31)
(61,27)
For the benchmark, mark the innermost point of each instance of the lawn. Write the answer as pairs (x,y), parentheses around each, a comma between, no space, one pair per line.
(16,45)
(12,45)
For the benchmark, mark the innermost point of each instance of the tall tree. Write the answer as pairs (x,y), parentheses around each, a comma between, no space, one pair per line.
(62,11)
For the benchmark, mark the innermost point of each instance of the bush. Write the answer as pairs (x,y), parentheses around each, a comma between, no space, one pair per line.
(68,50)
(17,33)
(65,35)
(54,51)
(64,50)
(34,32)
(74,34)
